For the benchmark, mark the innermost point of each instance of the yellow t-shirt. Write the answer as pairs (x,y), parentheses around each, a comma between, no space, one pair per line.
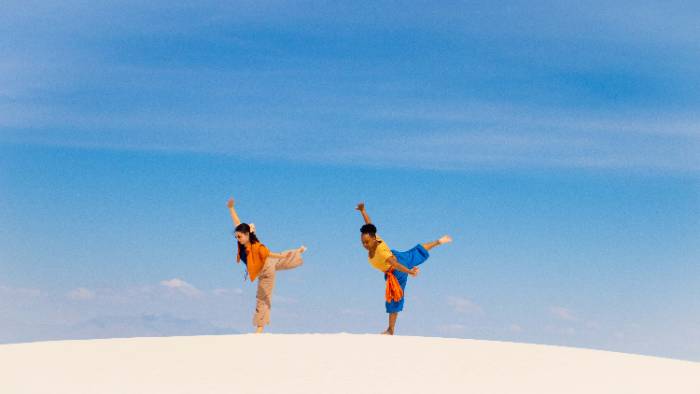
(380,256)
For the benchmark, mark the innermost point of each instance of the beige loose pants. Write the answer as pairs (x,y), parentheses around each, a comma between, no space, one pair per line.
(266,283)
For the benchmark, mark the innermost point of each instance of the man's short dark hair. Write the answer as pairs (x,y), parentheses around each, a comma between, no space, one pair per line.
(369,228)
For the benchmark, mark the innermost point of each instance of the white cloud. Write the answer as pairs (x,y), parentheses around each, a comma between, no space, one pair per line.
(515,328)
(223,292)
(283,300)
(463,135)
(19,292)
(563,313)
(81,294)
(451,329)
(557,330)
(182,287)
(463,305)
(353,312)
(445,133)
(147,324)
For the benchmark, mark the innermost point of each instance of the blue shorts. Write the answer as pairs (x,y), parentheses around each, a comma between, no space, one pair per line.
(410,259)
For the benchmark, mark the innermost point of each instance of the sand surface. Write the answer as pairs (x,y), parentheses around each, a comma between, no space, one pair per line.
(332,363)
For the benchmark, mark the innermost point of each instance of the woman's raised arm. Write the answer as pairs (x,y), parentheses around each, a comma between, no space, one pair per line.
(361,207)
(234,215)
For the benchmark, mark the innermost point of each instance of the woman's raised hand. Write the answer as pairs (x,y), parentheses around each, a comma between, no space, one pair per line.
(360,207)
(445,239)
(230,203)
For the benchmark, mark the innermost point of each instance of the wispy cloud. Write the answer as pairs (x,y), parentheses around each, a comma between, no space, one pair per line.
(168,307)
(8,291)
(516,328)
(280,299)
(463,305)
(356,312)
(224,292)
(493,137)
(109,326)
(182,287)
(81,294)
(563,313)
(453,329)
(566,331)
(592,89)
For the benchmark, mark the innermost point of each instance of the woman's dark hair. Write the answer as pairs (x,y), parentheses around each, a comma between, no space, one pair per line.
(245,229)
(369,228)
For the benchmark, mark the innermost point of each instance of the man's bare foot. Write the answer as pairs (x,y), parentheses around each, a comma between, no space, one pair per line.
(445,239)
(388,332)
(259,330)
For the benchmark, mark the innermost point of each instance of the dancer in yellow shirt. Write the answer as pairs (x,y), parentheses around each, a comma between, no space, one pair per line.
(395,265)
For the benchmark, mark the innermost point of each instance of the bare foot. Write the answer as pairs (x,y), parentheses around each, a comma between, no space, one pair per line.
(387,332)
(259,330)
(445,239)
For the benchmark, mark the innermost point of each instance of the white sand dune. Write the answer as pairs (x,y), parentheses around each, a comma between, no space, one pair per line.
(332,363)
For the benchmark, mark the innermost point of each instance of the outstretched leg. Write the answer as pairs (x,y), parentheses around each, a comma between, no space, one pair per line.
(445,239)
(291,260)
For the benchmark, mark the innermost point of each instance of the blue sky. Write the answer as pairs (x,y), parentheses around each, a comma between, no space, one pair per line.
(558,144)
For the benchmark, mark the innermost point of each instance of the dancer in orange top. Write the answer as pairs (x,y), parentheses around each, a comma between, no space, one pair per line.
(261,264)
(395,265)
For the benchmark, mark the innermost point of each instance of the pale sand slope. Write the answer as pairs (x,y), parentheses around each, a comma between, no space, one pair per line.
(332,363)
